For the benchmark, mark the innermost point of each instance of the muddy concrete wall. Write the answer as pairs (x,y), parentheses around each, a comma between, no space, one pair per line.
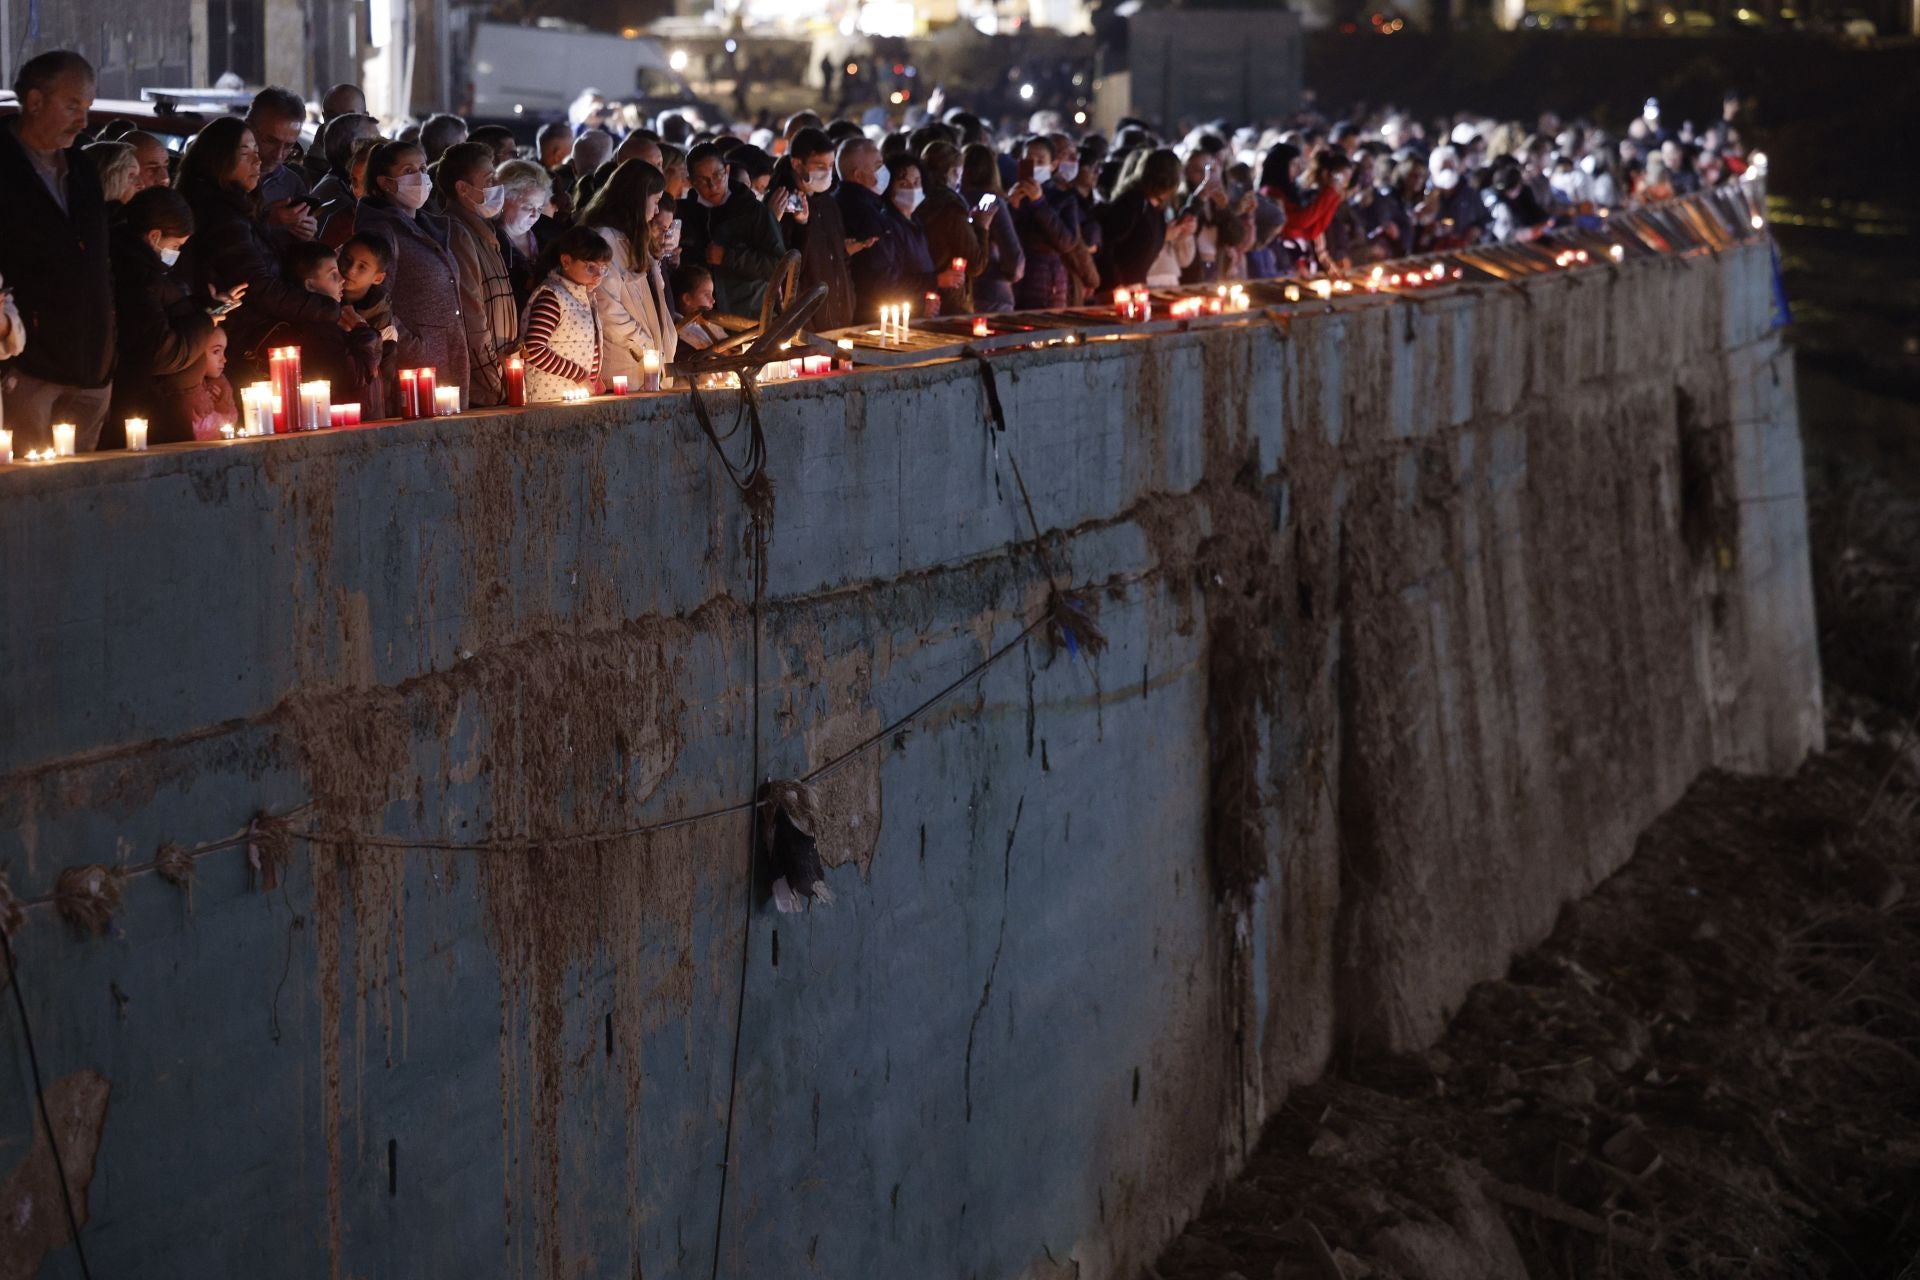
(1414,615)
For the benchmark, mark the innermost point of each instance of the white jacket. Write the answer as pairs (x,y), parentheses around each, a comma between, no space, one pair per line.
(13,337)
(634,313)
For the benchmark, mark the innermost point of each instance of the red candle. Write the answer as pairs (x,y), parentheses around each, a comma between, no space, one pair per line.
(516,383)
(283,365)
(1123,302)
(426,405)
(933,304)
(980,329)
(814,366)
(619,387)
(409,393)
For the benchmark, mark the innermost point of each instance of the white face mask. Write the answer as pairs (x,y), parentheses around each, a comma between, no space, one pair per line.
(1042,173)
(1067,170)
(169,256)
(818,182)
(880,179)
(1446,179)
(907,199)
(410,190)
(492,200)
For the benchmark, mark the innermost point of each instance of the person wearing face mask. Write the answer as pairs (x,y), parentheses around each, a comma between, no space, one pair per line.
(474,200)
(1072,199)
(424,280)
(955,232)
(1460,218)
(898,267)
(231,247)
(161,334)
(1133,225)
(524,228)
(631,301)
(725,229)
(1045,239)
(799,194)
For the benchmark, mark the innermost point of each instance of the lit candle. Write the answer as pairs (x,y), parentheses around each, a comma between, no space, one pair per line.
(933,304)
(815,366)
(980,327)
(409,393)
(651,367)
(315,405)
(886,322)
(137,435)
(344,415)
(63,439)
(6,447)
(256,403)
(1142,304)
(446,402)
(844,358)
(906,319)
(1293,293)
(619,384)
(429,401)
(1323,289)
(516,382)
(960,265)
(1123,302)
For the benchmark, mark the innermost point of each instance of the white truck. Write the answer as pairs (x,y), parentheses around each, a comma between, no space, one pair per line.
(533,73)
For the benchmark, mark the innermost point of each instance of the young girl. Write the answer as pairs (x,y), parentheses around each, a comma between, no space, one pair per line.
(209,403)
(561,334)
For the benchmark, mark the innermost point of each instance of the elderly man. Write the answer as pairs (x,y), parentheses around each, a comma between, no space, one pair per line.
(150,155)
(53,254)
(276,118)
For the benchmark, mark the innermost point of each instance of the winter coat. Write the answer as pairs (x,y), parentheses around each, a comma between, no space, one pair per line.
(486,304)
(56,262)
(633,309)
(162,336)
(1006,260)
(896,267)
(1132,233)
(952,233)
(562,344)
(424,284)
(822,243)
(750,238)
(228,248)
(1045,241)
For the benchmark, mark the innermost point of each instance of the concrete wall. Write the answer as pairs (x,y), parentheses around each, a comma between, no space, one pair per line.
(1415,615)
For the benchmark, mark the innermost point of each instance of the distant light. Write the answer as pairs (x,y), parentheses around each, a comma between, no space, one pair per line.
(519,109)
(1758,222)
(732,45)
(677,59)
(853,68)
(1026,93)
(896,97)
(1079,117)
(631,33)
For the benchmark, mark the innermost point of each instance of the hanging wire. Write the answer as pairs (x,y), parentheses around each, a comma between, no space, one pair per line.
(40,1098)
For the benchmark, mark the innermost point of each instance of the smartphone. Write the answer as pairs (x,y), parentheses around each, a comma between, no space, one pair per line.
(221,309)
(986,202)
(1026,169)
(793,201)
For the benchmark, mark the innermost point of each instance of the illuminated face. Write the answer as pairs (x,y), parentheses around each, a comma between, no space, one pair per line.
(710,180)
(326,278)
(277,139)
(246,163)
(583,272)
(54,116)
(359,271)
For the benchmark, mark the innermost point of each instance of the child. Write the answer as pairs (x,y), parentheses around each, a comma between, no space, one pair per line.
(561,333)
(344,353)
(364,263)
(208,404)
(693,298)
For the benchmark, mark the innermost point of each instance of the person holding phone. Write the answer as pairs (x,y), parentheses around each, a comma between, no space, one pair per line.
(219,176)
(161,333)
(810,222)
(1133,225)
(275,118)
(1006,260)
(955,231)
(1045,240)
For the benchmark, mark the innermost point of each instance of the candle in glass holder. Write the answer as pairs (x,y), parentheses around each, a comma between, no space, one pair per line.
(1142,304)
(6,446)
(619,386)
(933,304)
(283,366)
(980,327)
(429,401)
(315,407)
(843,359)
(446,401)
(137,435)
(344,415)
(63,439)
(650,368)
(409,393)
(960,265)
(516,383)
(815,366)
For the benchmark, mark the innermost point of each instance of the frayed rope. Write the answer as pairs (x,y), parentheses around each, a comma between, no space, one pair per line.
(1070,624)
(13,913)
(267,849)
(88,897)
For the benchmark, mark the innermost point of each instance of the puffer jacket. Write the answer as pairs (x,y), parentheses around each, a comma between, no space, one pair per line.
(424,285)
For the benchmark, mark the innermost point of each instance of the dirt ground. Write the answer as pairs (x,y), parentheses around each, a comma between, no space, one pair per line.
(1712,1067)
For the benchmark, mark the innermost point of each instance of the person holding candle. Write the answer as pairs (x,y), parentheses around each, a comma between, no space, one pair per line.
(230,247)
(1133,225)
(632,302)
(53,253)
(562,343)
(955,232)
(160,332)
(474,200)
(423,278)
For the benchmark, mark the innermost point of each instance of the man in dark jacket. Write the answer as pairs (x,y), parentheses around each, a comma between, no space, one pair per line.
(725,229)
(276,118)
(812,224)
(53,255)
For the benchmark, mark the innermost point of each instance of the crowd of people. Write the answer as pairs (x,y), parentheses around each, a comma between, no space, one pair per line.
(140,284)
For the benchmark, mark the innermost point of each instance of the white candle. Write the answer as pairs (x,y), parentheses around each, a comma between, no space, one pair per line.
(906,319)
(446,401)
(137,435)
(6,447)
(316,405)
(650,368)
(63,439)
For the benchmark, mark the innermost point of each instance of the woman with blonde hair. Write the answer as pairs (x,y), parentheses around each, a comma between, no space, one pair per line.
(118,165)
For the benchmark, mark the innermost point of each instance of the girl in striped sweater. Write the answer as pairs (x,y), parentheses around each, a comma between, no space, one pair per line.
(561,334)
